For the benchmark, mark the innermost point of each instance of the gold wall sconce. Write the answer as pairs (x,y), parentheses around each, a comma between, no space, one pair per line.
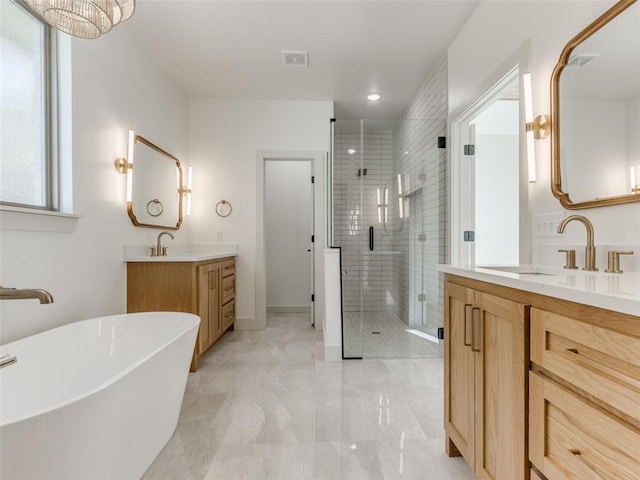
(634,181)
(186,192)
(124,166)
(537,128)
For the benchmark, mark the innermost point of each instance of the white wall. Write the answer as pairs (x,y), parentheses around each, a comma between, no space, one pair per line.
(115,88)
(288,230)
(225,137)
(549,26)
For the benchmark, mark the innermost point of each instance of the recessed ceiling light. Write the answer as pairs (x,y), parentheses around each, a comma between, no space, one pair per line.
(374,97)
(351,151)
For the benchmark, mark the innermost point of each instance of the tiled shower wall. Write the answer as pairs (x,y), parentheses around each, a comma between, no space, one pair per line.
(416,155)
(399,275)
(355,210)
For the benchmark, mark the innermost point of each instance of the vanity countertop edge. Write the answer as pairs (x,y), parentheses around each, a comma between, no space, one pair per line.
(615,292)
(180,253)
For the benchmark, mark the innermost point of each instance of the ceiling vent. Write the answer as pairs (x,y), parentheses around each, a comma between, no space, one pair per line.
(580,60)
(295,58)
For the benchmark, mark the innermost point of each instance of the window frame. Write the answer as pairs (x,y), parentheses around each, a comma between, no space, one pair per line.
(50,138)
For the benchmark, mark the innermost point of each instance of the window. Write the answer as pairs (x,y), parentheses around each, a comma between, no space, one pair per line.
(27,100)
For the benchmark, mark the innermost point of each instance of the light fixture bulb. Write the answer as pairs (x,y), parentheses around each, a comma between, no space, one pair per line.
(374,97)
(351,151)
(131,143)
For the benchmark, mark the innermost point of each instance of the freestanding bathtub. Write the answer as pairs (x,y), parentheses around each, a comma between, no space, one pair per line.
(96,399)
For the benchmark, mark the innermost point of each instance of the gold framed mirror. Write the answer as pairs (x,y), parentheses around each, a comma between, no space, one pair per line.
(156,179)
(595,113)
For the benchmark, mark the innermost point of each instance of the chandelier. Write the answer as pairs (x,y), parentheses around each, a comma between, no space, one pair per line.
(83,18)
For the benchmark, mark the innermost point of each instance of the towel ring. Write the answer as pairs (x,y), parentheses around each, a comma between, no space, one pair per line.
(223,208)
(155,208)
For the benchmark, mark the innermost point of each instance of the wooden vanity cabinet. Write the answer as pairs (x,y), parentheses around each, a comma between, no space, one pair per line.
(485,379)
(205,288)
(538,387)
(584,412)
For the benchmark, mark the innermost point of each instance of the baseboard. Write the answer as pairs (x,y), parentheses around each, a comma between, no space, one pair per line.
(249,324)
(289,309)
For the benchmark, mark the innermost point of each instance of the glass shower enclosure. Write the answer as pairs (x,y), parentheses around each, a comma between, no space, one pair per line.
(388,217)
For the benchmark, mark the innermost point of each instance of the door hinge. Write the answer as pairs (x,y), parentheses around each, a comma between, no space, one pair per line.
(469,150)
(441,333)
(442,142)
(313,297)
(313,179)
(313,238)
(469,236)
(422,297)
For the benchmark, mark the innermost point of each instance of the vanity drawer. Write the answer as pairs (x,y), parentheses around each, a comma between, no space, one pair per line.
(228,314)
(600,361)
(228,288)
(570,438)
(228,267)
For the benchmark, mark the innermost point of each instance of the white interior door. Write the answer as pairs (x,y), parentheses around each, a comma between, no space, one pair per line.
(288,235)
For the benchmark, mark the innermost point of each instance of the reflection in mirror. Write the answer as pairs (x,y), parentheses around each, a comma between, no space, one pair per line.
(596,112)
(156,200)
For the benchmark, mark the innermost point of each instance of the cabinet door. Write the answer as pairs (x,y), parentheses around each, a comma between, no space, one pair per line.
(501,372)
(208,305)
(573,439)
(459,373)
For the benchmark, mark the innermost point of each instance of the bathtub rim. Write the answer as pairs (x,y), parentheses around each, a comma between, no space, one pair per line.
(110,380)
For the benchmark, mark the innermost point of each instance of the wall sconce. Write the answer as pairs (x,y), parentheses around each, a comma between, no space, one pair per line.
(538,128)
(634,181)
(125,165)
(186,191)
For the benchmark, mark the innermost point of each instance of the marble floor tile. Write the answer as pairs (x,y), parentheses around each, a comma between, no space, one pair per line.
(264,405)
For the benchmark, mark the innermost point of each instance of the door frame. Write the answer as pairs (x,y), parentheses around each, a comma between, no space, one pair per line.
(460,253)
(317,160)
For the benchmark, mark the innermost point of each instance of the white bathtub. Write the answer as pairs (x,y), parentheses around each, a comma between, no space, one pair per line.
(96,399)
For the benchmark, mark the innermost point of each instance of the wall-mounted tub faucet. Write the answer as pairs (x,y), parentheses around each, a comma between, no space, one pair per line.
(25,293)
(159,250)
(590,249)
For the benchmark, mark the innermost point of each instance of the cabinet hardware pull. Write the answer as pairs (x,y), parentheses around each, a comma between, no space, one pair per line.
(572,350)
(578,455)
(230,314)
(476,318)
(467,317)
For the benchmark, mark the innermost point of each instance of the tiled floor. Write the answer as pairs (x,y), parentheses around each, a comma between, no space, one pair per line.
(384,335)
(263,405)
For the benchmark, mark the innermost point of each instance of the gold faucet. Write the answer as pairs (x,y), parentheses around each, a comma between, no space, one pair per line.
(25,293)
(159,250)
(590,249)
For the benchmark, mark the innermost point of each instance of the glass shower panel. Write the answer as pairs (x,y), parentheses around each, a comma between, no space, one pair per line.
(348,230)
(389,219)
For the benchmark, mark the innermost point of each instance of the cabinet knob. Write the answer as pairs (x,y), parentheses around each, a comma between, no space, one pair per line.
(613,261)
(570,259)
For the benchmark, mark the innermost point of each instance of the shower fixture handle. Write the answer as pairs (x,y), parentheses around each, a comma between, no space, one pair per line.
(371,237)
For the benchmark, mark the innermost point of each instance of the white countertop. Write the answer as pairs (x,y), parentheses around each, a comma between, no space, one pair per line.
(619,292)
(180,253)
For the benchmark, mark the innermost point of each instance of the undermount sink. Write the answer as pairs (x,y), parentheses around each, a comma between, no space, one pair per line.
(520,269)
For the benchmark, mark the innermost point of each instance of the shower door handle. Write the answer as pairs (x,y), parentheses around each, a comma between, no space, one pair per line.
(371,238)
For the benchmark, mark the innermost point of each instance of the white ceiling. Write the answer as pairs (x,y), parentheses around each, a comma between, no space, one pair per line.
(232,49)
